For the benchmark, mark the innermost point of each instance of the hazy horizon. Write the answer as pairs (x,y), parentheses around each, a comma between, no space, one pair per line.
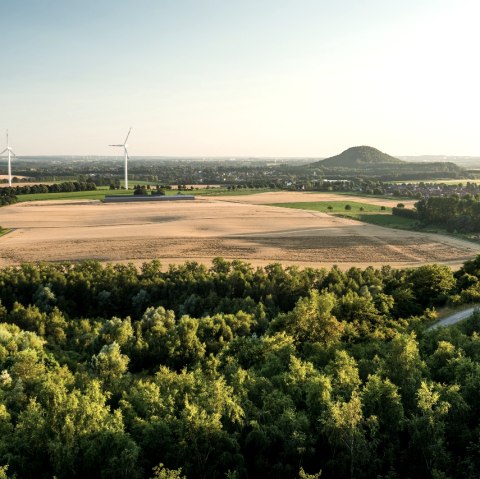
(269,78)
(224,157)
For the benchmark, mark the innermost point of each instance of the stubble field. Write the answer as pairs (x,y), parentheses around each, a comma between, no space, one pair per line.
(245,228)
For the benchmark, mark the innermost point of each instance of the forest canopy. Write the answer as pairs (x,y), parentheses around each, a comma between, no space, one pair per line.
(237,372)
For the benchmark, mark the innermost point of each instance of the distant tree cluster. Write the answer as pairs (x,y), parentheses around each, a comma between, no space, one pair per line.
(455,213)
(405,212)
(252,173)
(238,372)
(142,190)
(7,197)
(67,186)
(407,171)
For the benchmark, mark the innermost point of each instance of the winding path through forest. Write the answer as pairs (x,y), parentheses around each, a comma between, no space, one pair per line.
(454,318)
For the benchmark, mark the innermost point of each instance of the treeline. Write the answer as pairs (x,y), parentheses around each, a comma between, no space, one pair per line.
(405,212)
(66,186)
(408,171)
(236,372)
(255,173)
(7,197)
(455,213)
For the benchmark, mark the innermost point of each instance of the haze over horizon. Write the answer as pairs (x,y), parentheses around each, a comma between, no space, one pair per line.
(270,78)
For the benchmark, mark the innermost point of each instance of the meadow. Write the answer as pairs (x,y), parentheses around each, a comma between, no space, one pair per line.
(103,191)
(365,212)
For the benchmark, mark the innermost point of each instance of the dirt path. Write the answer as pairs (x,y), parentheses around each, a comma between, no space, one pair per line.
(454,318)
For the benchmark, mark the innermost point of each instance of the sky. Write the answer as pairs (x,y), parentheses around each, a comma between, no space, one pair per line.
(276,78)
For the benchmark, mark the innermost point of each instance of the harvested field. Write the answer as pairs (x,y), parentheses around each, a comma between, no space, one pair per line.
(299,197)
(5,177)
(4,183)
(232,227)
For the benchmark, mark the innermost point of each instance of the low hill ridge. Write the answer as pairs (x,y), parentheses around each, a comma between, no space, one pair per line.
(358,156)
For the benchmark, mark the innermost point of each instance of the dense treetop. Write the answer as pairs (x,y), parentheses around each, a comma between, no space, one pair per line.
(236,372)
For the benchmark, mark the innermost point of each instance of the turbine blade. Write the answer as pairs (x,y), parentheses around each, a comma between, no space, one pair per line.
(128,134)
(2,152)
(121,146)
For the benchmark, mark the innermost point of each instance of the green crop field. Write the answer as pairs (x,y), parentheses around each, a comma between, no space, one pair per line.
(102,191)
(98,194)
(359,211)
(365,195)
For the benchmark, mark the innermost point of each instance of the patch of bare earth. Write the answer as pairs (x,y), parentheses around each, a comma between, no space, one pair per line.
(234,228)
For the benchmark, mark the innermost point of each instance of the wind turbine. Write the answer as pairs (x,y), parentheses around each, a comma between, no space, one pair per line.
(10,152)
(124,146)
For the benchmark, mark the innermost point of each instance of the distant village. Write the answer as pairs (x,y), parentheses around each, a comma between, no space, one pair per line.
(406,190)
(232,176)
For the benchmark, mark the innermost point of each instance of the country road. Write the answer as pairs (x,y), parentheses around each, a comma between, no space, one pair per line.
(454,318)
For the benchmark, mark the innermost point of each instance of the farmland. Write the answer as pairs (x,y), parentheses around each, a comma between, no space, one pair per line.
(365,212)
(102,191)
(237,227)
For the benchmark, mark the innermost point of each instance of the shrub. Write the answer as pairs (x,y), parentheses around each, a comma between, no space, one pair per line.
(139,191)
(405,212)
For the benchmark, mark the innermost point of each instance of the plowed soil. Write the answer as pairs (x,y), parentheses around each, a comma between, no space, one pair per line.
(234,227)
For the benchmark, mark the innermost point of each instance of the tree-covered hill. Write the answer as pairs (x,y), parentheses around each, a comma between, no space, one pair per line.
(368,162)
(236,372)
(358,156)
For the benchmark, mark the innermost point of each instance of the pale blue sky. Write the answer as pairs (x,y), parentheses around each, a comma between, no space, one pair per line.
(243,77)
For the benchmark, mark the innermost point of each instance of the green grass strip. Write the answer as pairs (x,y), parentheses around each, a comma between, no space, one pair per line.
(365,212)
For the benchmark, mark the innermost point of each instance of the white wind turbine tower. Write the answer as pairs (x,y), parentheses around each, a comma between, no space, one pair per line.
(10,152)
(124,146)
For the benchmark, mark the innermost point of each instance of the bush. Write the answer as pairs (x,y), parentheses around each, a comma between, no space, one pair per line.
(7,200)
(348,207)
(405,212)
(139,191)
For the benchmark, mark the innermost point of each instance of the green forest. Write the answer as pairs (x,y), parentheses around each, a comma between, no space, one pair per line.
(455,213)
(237,372)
